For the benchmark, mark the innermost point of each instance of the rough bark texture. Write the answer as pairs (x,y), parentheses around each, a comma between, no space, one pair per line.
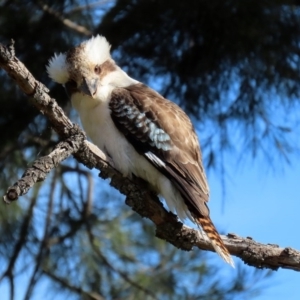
(43,165)
(138,196)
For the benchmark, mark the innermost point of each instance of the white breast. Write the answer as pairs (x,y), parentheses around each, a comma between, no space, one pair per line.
(97,122)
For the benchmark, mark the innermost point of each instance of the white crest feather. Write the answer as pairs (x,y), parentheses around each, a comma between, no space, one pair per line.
(57,68)
(97,49)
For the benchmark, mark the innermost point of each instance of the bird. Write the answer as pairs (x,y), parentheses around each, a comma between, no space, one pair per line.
(143,133)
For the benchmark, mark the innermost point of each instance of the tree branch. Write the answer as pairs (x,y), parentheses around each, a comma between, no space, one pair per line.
(67,22)
(138,195)
(78,290)
(42,166)
(97,252)
(19,244)
(43,245)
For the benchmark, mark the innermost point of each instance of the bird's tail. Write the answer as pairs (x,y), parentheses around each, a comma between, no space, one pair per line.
(212,233)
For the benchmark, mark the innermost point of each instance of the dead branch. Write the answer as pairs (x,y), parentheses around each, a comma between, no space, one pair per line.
(19,245)
(42,166)
(138,196)
(67,22)
(63,282)
(110,266)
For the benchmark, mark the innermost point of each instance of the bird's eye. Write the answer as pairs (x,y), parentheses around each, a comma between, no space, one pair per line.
(97,69)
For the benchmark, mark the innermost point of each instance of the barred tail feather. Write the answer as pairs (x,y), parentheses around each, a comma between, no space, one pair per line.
(212,233)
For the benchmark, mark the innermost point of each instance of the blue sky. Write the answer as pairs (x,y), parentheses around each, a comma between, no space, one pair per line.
(265,206)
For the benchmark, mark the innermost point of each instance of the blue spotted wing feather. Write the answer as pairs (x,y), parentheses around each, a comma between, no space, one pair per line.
(158,129)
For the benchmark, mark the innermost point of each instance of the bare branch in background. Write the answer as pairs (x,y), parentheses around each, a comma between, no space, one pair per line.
(138,196)
(43,245)
(110,266)
(9,272)
(70,24)
(76,289)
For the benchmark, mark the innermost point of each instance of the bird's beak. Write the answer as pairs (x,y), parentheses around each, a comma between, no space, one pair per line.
(89,87)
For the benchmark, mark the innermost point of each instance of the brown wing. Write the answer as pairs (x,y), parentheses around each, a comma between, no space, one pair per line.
(162,132)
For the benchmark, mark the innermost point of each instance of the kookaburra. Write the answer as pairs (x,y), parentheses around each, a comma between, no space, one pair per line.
(142,132)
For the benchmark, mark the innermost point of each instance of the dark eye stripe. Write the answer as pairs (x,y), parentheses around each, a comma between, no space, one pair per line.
(71,87)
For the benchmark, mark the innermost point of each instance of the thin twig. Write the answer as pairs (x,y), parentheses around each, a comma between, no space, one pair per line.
(21,241)
(87,201)
(11,286)
(76,289)
(121,273)
(67,22)
(43,243)
(88,6)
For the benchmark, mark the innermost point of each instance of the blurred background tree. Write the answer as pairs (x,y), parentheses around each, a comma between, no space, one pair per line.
(232,65)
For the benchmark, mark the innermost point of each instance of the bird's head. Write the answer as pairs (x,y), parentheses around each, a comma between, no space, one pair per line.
(88,69)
